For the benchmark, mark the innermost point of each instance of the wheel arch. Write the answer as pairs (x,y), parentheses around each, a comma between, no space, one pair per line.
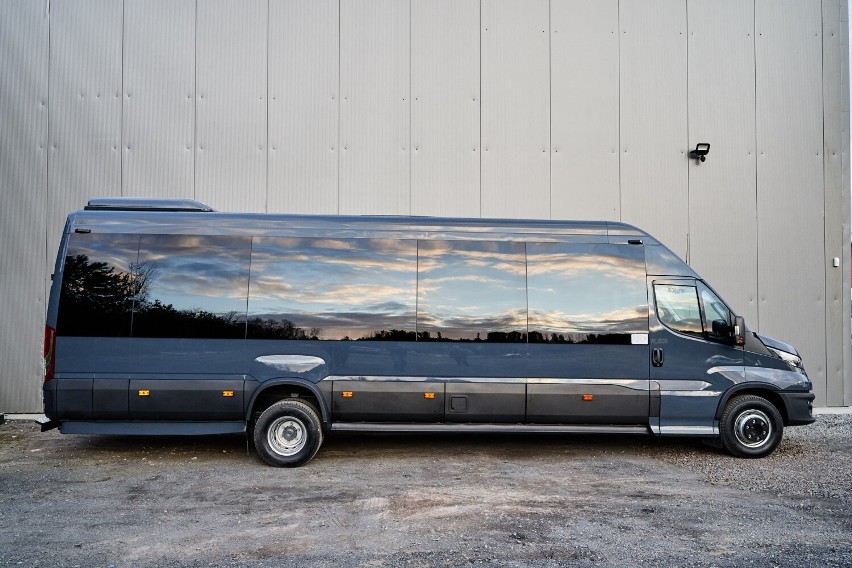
(274,390)
(757,389)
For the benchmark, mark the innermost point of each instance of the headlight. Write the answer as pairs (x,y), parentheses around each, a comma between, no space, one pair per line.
(793,361)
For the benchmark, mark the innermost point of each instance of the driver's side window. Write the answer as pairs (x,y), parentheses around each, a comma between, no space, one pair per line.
(677,308)
(717,317)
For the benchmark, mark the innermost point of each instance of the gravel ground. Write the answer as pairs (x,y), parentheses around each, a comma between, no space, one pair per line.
(449,500)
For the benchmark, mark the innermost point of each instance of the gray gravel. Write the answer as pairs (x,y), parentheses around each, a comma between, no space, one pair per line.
(451,500)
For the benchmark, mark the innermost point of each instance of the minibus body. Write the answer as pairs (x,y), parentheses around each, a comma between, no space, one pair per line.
(168,318)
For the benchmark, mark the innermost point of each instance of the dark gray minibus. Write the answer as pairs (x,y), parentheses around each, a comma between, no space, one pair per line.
(167,317)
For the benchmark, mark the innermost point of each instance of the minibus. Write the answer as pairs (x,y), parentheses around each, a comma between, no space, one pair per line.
(169,318)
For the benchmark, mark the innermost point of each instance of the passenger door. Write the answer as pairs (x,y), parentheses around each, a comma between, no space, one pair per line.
(692,360)
(588,334)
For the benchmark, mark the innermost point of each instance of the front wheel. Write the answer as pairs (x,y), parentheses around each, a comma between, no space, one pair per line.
(288,433)
(751,427)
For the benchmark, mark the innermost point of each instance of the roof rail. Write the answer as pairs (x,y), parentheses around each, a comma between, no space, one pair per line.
(145,204)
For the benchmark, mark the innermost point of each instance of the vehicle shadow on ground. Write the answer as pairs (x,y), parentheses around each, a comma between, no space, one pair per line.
(370,446)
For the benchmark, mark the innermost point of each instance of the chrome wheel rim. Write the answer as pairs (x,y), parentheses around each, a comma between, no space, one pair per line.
(753,428)
(287,436)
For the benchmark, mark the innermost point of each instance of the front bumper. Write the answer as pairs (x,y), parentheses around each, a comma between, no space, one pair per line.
(799,405)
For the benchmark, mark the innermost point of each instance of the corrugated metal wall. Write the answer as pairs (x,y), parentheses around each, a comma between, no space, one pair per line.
(509,108)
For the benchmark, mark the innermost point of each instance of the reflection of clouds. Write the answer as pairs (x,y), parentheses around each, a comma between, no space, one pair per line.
(372,284)
(502,257)
(119,251)
(351,294)
(278,254)
(590,261)
(190,270)
(623,320)
(469,287)
(315,282)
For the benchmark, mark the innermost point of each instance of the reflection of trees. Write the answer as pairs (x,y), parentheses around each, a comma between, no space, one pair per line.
(390,335)
(581,338)
(98,300)
(259,328)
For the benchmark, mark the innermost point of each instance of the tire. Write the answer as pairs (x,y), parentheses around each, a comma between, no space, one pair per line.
(288,433)
(751,427)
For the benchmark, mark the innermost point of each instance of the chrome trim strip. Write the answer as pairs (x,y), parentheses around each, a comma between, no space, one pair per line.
(635,384)
(690,393)
(676,385)
(489,428)
(689,430)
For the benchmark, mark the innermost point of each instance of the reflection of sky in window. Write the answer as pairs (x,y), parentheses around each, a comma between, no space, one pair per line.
(207,273)
(467,288)
(586,288)
(343,287)
(119,251)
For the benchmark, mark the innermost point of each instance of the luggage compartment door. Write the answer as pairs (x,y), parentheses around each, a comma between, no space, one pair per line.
(494,402)
(192,397)
(387,401)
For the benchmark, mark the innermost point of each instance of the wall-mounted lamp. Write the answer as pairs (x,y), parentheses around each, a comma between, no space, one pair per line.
(700,152)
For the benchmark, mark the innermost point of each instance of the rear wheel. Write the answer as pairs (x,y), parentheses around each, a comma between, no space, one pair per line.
(288,433)
(751,427)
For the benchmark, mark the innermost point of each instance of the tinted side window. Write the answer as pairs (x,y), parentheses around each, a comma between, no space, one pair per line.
(312,288)
(586,293)
(677,308)
(192,286)
(99,284)
(473,291)
(717,317)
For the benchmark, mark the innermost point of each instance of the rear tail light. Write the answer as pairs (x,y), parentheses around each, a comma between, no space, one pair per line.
(49,352)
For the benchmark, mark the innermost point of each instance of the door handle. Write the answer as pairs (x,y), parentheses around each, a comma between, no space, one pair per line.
(657,357)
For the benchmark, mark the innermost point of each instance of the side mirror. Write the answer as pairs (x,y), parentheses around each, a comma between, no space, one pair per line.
(721,329)
(739,330)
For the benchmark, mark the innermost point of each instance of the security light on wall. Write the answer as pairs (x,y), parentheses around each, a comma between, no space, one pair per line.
(700,152)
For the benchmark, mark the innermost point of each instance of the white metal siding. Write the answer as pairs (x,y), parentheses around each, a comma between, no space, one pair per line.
(836,244)
(375,122)
(85,107)
(445,108)
(304,84)
(515,108)
(791,261)
(722,190)
(584,95)
(23,183)
(548,108)
(158,122)
(846,226)
(231,125)
(654,142)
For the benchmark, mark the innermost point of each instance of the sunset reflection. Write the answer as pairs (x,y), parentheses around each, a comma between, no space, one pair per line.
(310,288)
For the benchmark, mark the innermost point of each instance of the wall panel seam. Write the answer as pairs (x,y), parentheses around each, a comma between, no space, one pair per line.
(618,148)
(550,105)
(266,181)
(756,166)
(121,149)
(45,285)
(195,106)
